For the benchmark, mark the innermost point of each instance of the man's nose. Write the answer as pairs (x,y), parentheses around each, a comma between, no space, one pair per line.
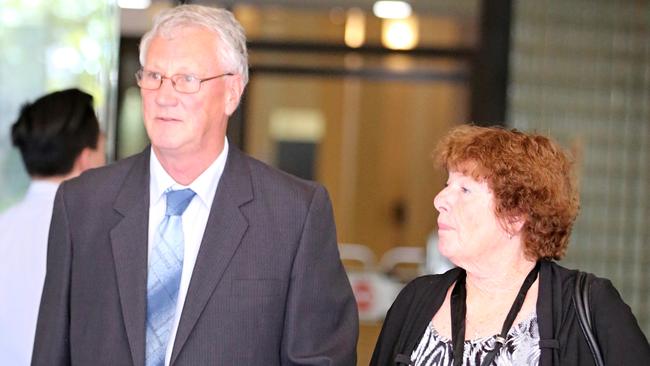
(166,93)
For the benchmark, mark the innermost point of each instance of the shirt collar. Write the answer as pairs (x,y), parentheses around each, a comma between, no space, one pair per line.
(41,185)
(205,185)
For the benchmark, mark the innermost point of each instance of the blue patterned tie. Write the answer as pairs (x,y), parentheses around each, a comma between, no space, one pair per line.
(164,277)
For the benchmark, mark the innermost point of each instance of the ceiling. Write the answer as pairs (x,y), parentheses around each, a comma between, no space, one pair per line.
(419,6)
(136,22)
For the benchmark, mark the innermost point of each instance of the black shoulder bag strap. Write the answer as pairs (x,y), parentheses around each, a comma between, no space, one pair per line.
(583,311)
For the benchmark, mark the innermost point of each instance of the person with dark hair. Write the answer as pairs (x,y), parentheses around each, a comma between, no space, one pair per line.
(194,253)
(58,137)
(505,216)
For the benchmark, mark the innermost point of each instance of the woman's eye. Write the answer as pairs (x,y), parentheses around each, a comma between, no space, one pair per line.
(465,190)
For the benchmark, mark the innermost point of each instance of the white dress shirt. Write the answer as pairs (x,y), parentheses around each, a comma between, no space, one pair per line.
(194,219)
(24,230)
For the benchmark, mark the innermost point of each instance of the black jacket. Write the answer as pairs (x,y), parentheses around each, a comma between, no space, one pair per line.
(561,340)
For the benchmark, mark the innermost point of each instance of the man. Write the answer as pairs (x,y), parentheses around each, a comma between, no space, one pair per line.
(58,138)
(192,253)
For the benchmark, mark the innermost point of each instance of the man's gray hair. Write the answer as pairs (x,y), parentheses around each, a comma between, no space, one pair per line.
(220,21)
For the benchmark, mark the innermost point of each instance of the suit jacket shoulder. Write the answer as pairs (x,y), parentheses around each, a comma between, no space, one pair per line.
(104,184)
(272,181)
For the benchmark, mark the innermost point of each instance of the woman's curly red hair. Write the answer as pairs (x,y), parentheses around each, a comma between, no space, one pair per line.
(531,178)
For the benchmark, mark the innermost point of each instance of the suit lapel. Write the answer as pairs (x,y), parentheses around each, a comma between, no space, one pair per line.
(129,239)
(223,233)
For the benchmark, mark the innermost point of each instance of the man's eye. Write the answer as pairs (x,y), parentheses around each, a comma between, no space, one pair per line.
(152,75)
(188,78)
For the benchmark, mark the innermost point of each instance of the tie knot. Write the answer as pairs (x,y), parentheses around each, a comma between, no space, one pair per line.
(177,201)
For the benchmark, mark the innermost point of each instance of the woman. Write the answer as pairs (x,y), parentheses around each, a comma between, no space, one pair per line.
(505,213)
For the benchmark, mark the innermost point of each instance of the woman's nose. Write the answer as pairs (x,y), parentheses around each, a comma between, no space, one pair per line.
(440,202)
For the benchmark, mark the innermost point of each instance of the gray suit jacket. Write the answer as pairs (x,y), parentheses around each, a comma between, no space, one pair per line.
(268,287)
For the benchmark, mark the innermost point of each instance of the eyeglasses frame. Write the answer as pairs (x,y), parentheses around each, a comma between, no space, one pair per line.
(139,74)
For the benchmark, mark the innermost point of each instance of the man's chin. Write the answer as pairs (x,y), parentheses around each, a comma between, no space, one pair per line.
(165,146)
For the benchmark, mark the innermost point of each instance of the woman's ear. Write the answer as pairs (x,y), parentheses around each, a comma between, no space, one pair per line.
(514,225)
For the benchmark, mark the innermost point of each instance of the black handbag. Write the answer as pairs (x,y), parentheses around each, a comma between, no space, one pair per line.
(583,310)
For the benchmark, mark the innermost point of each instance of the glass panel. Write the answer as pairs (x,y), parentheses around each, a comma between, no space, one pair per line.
(50,45)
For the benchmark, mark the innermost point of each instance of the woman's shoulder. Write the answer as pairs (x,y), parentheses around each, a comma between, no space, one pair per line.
(418,302)
(558,269)
(614,323)
(567,277)
(603,295)
(427,281)
(425,286)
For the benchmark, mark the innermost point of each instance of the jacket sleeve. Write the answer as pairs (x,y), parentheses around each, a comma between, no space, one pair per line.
(620,338)
(51,345)
(321,320)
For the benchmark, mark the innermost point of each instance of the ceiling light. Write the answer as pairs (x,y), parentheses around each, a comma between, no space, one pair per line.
(355,28)
(391,9)
(400,34)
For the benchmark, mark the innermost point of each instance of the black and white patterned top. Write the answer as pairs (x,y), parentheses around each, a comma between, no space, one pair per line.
(521,347)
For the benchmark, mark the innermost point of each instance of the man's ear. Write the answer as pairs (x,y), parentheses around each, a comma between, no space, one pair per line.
(234,90)
(83,161)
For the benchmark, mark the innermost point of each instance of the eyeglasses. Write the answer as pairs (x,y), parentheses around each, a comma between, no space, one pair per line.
(182,83)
